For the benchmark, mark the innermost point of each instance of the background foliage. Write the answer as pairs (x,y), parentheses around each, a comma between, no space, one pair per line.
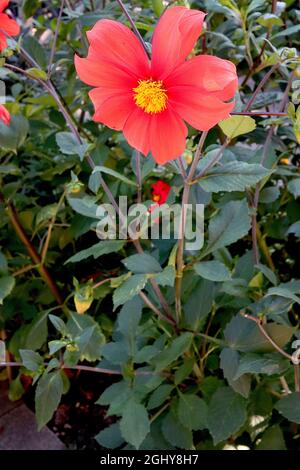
(218,378)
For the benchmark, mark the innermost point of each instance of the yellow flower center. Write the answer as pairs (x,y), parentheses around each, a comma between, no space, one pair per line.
(151,96)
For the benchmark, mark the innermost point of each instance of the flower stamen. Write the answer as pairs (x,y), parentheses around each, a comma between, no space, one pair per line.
(151,96)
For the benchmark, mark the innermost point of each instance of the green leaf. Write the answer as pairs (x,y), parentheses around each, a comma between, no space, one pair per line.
(128,321)
(69,145)
(30,7)
(31,360)
(119,176)
(228,226)
(269,195)
(233,176)
(59,324)
(99,249)
(227,412)
(294,187)
(229,363)
(172,352)
(213,271)
(34,48)
(134,424)
(272,439)
(283,292)
(175,433)
(295,229)
(37,73)
(267,272)
(129,289)
(287,31)
(13,136)
(159,396)
(47,396)
(9,169)
(110,437)
(192,412)
(289,407)
(7,283)
(244,335)
(142,264)
(268,364)
(37,332)
(269,19)
(166,277)
(87,334)
(86,206)
(89,343)
(237,125)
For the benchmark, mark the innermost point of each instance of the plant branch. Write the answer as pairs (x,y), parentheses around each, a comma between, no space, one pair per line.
(266,335)
(45,274)
(185,199)
(55,38)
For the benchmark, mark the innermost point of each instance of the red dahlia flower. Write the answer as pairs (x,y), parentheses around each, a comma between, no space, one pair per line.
(7,25)
(160,191)
(150,100)
(4,115)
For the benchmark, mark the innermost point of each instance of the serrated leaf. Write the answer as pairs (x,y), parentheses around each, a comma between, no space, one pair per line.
(237,125)
(14,135)
(99,249)
(272,439)
(128,321)
(229,364)
(119,176)
(69,145)
(142,264)
(175,433)
(134,424)
(129,289)
(166,277)
(289,407)
(233,176)
(31,360)
(294,187)
(227,412)
(110,437)
(244,335)
(59,324)
(173,351)
(269,19)
(47,396)
(228,226)
(37,73)
(37,331)
(7,283)
(260,364)
(213,271)
(159,396)
(192,412)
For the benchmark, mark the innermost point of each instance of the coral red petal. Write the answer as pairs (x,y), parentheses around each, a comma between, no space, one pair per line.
(168,136)
(3,5)
(8,25)
(214,75)
(174,38)
(113,42)
(200,110)
(95,73)
(112,107)
(4,115)
(137,130)
(3,42)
